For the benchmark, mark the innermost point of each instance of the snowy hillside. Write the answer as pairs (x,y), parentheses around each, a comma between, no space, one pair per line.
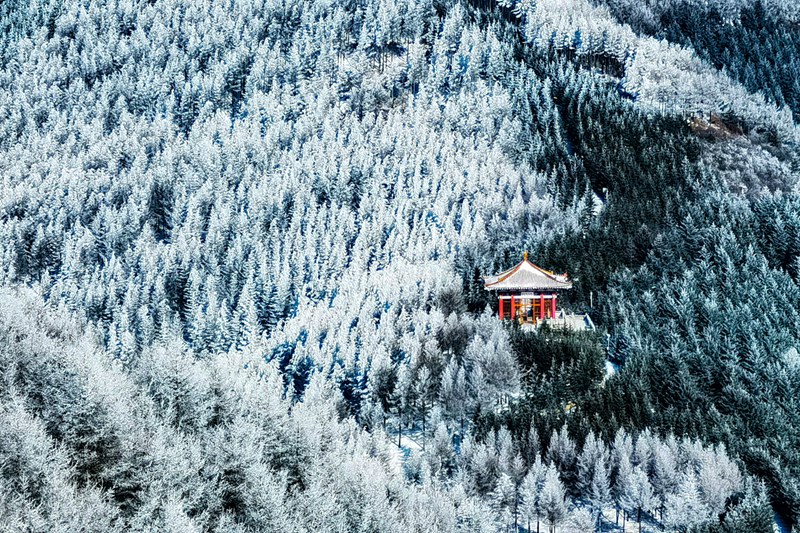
(242,246)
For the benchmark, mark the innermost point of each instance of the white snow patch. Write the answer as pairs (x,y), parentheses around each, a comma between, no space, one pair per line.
(611,368)
(409,444)
(597,204)
(792,357)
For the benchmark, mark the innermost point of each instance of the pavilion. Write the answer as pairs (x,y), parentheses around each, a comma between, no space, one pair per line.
(527,293)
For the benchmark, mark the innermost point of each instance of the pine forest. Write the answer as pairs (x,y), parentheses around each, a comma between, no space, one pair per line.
(245,247)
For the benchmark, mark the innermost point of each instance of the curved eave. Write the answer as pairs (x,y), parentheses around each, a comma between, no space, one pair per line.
(505,280)
(493,287)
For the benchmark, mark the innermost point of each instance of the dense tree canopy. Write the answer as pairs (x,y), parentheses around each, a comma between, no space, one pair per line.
(242,245)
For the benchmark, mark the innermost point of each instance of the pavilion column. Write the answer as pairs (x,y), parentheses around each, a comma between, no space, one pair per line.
(541,306)
(500,312)
(512,307)
(554,306)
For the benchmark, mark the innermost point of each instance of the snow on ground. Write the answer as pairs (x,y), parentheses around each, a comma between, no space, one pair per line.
(398,455)
(611,369)
(409,445)
(566,320)
(631,525)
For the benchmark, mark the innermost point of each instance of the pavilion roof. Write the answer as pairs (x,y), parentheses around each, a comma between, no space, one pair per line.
(526,276)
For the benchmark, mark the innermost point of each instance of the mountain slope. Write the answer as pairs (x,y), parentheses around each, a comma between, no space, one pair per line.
(312,190)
